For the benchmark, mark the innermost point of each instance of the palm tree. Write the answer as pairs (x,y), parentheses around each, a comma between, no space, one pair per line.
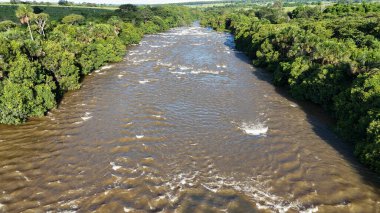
(25,12)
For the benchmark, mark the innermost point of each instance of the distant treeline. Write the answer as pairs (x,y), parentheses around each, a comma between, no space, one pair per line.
(328,55)
(56,13)
(59,2)
(42,57)
(208,2)
(287,3)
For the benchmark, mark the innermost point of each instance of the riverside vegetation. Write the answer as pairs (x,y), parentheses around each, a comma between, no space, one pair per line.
(42,58)
(330,56)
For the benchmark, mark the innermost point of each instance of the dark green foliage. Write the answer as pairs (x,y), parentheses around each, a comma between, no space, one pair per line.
(128,8)
(27,91)
(130,34)
(305,12)
(330,58)
(273,14)
(37,10)
(61,63)
(63,2)
(349,9)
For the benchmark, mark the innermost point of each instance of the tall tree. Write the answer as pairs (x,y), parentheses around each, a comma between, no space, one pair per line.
(25,12)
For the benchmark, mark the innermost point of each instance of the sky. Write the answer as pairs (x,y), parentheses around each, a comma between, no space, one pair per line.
(122,1)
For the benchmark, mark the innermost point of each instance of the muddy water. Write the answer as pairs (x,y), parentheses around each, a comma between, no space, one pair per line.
(183,124)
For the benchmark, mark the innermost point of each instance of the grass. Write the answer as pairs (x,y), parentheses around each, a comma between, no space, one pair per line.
(7,11)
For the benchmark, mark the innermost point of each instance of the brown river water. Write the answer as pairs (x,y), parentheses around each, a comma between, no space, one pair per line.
(183,124)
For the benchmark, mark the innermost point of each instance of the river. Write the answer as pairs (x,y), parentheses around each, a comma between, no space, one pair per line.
(183,124)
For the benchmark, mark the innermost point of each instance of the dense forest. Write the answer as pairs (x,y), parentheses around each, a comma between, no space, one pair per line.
(328,55)
(43,56)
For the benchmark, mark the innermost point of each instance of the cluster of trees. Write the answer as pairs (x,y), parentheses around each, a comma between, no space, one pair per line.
(150,18)
(63,2)
(327,56)
(41,59)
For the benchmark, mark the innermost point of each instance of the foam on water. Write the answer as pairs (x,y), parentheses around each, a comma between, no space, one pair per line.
(254,188)
(65,211)
(135,52)
(106,67)
(310,210)
(144,81)
(256,128)
(159,63)
(169,42)
(86,116)
(196,72)
(192,31)
(259,193)
(25,177)
(181,67)
(136,61)
(114,166)
(178,73)
(126,209)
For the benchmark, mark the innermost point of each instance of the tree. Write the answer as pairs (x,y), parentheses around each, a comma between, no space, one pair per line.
(7,25)
(73,19)
(62,2)
(40,20)
(37,10)
(128,8)
(25,12)
(278,4)
(146,13)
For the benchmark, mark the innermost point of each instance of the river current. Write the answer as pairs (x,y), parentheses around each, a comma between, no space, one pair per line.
(184,124)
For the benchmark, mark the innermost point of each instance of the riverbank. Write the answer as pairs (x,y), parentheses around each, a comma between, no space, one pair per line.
(316,57)
(43,60)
